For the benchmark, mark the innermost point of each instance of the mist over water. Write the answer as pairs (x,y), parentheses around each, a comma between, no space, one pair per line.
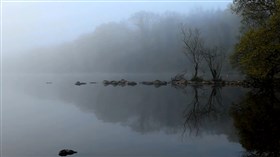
(146,42)
(44,111)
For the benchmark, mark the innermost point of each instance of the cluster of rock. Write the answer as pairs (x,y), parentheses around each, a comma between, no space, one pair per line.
(178,82)
(121,82)
(156,83)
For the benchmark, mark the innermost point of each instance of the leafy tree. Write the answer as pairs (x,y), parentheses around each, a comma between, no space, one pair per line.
(254,12)
(258,52)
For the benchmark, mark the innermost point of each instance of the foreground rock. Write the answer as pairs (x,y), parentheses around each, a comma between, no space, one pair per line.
(65,152)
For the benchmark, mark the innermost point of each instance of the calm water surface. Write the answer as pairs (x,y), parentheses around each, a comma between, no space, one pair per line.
(40,119)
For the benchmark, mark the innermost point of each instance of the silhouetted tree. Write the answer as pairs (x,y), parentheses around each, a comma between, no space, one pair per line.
(193,45)
(214,58)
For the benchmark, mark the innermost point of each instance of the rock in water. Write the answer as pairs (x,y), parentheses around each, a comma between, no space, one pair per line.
(65,152)
(78,83)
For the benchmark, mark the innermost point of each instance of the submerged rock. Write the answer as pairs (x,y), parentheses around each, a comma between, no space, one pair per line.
(65,152)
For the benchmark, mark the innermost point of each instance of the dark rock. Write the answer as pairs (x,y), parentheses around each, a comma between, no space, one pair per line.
(131,83)
(65,152)
(122,82)
(78,83)
(158,82)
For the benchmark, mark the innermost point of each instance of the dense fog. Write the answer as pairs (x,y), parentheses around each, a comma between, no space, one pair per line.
(144,43)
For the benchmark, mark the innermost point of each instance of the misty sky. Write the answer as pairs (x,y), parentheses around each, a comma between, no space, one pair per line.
(30,25)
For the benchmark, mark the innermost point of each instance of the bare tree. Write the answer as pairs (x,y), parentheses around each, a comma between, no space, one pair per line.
(193,45)
(214,58)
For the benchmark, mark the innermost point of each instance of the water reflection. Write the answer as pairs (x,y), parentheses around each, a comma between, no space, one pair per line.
(93,119)
(143,109)
(146,109)
(197,111)
(193,109)
(256,119)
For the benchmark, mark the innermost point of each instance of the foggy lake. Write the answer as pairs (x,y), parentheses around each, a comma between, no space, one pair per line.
(216,64)
(39,119)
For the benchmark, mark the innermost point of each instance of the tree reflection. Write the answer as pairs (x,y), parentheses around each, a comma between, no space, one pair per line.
(257,120)
(201,108)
